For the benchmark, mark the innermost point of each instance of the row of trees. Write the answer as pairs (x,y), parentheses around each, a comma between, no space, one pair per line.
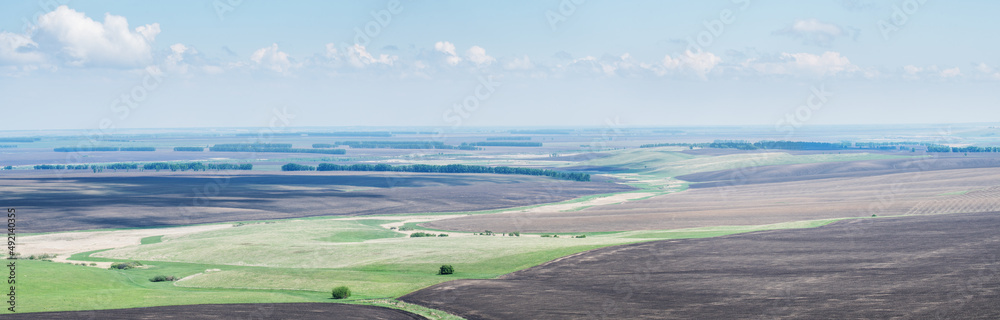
(450,168)
(195,149)
(270,147)
(94,167)
(90,149)
(505,144)
(508,138)
(403,145)
(941,148)
(195,166)
(325,134)
(297,167)
(8,146)
(690,145)
(19,139)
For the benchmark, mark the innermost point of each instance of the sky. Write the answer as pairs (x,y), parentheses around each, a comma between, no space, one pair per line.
(107,65)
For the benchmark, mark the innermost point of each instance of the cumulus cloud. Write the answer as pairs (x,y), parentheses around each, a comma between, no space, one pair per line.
(81,41)
(271,58)
(449,50)
(805,64)
(813,32)
(478,55)
(18,49)
(951,73)
(359,57)
(700,63)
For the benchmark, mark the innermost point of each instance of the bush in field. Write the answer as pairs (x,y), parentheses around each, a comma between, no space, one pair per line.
(125,265)
(341,292)
(405,228)
(443,235)
(516,233)
(581,236)
(446,269)
(421,234)
(162,278)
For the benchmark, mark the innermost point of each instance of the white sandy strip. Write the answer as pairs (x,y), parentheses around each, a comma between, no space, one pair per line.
(618,198)
(69,243)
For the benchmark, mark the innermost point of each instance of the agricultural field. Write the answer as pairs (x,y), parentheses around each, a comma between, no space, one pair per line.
(917,267)
(231,239)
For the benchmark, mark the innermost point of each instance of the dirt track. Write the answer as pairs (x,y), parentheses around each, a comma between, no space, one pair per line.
(291,311)
(924,192)
(917,267)
(81,201)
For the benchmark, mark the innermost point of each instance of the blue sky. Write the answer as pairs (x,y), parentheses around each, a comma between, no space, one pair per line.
(131,64)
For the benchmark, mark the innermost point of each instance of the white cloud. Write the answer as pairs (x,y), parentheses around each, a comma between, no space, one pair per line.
(812,32)
(359,57)
(700,63)
(18,49)
(951,73)
(805,64)
(478,55)
(81,41)
(272,59)
(448,49)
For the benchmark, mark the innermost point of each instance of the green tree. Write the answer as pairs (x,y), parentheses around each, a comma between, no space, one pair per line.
(446,269)
(341,292)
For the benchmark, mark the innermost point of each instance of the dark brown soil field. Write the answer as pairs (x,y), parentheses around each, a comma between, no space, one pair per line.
(291,311)
(813,171)
(922,192)
(81,201)
(917,267)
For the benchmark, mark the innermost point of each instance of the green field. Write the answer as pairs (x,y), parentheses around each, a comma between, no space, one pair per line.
(301,260)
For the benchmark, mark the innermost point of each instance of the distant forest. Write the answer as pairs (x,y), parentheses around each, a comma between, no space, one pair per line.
(451,168)
(270,147)
(90,149)
(802,145)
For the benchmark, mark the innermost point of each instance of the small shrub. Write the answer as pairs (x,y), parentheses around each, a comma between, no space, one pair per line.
(516,233)
(443,235)
(446,269)
(92,264)
(405,228)
(581,236)
(125,265)
(162,278)
(341,292)
(546,236)
(421,234)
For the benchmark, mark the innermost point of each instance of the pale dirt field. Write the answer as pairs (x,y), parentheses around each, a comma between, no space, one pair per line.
(68,243)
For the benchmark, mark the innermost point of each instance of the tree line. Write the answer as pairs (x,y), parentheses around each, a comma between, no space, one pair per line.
(450,168)
(196,149)
(942,148)
(403,145)
(91,149)
(8,146)
(195,166)
(505,144)
(19,139)
(508,138)
(269,147)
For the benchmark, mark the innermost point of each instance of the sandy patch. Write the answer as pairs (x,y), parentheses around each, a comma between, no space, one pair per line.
(69,243)
(614,199)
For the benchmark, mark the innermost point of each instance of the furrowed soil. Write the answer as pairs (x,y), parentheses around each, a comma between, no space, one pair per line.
(304,311)
(915,267)
(922,192)
(814,171)
(83,201)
